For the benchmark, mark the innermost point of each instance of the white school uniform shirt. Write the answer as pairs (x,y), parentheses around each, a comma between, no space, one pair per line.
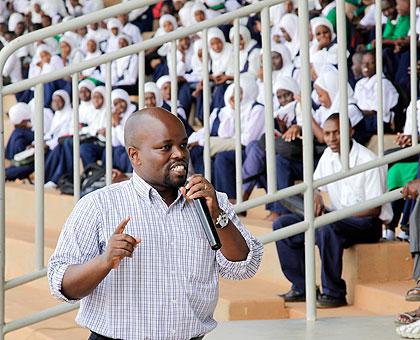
(53,8)
(325,56)
(101,35)
(252,124)
(133,32)
(61,125)
(54,64)
(118,131)
(182,67)
(112,43)
(90,6)
(357,188)
(125,70)
(198,136)
(366,96)
(85,112)
(290,113)
(97,122)
(408,124)
(48,116)
(12,68)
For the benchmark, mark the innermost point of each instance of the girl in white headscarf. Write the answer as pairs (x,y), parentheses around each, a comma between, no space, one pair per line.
(125,69)
(92,52)
(167,24)
(248,51)
(152,96)
(121,111)
(289,25)
(252,128)
(115,29)
(325,51)
(86,107)
(70,53)
(327,88)
(221,55)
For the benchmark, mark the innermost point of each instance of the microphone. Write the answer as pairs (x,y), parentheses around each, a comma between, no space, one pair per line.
(207,222)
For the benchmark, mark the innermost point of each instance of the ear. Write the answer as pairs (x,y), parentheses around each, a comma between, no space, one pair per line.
(134,155)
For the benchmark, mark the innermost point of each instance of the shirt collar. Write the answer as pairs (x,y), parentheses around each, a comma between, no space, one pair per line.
(353,154)
(146,191)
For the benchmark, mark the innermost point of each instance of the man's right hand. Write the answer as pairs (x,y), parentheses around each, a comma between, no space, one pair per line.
(120,245)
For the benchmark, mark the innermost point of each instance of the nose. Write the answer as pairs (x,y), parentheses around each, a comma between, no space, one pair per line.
(179,152)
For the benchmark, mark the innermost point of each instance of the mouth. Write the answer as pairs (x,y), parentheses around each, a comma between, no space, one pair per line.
(179,169)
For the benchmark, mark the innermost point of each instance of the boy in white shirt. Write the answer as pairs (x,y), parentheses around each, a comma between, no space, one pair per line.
(363,227)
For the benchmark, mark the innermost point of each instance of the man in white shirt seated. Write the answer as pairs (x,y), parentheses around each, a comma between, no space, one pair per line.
(363,227)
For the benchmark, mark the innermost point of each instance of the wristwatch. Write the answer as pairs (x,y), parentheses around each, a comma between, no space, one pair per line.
(222,220)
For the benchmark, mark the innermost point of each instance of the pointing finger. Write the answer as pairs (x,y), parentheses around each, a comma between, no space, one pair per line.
(121,226)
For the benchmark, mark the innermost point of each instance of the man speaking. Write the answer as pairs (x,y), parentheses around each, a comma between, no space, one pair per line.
(135,252)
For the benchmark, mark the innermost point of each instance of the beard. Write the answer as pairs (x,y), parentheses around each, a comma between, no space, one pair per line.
(175,182)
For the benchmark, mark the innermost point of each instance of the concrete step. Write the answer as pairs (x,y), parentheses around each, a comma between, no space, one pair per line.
(298,310)
(384,298)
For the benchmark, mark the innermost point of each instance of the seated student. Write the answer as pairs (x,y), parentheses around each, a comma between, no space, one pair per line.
(288,116)
(100,34)
(152,96)
(70,53)
(281,65)
(399,175)
(43,62)
(86,106)
(289,26)
(221,55)
(363,227)
(61,127)
(157,56)
(125,69)
(325,51)
(326,87)
(164,84)
(129,29)
(252,128)
(366,96)
(316,70)
(22,134)
(92,52)
(115,28)
(92,150)
(248,51)
(121,110)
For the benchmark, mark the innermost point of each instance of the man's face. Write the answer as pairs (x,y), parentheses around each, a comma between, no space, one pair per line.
(168,27)
(57,103)
(184,44)
(276,61)
(149,99)
(388,9)
(403,7)
(368,65)
(84,94)
(331,133)
(166,91)
(97,100)
(163,156)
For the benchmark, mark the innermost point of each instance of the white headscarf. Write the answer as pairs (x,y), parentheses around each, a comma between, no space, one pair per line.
(185,14)
(163,80)
(286,83)
(100,89)
(249,44)
(290,23)
(249,88)
(114,23)
(321,21)
(43,48)
(19,112)
(88,84)
(167,17)
(151,87)
(321,68)
(221,62)
(288,67)
(14,19)
(198,6)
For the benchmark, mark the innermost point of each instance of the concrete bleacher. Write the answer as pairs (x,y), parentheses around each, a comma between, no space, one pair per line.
(377,275)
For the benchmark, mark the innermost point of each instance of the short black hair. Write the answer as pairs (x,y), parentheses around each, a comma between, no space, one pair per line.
(334,116)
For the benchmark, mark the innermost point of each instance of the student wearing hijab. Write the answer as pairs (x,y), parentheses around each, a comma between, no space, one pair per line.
(61,127)
(125,69)
(92,52)
(289,26)
(221,55)
(92,150)
(326,87)
(317,69)
(45,61)
(100,34)
(22,134)
(69,52)
(164,84)
(121,110)
(152,96)
(248,51)
(281,64)
(129,29)
(325,51)
(252,128)
(115,28)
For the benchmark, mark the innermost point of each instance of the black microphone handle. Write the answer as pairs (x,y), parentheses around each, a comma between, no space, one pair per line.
(207,223)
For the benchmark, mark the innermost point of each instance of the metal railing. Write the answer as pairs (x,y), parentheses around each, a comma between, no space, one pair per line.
(308,225)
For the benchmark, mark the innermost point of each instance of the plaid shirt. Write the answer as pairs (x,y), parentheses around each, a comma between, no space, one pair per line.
(169,288)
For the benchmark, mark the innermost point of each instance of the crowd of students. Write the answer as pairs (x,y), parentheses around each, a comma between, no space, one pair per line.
(21,16)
